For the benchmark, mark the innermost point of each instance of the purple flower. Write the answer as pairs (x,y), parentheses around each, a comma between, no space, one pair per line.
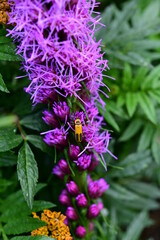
(58,172)
(72,188)
(74,151)
(81,200)
(56,137)
(71,214)
(91,226)
(61,110)
(97,188)
(64,166)
(93,211)
(83,161)
(80,232)
(64,198)
(50,118)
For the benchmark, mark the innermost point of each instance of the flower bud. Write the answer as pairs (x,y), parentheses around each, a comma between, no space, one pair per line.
(71,214)
(72,188)
(64,166)
(74,151)
(61,110)
(64,198)
(97,188)
(100,205)
(80,232)
(50,119)
(83,161)
(58,172)
(81,200)
(93,211)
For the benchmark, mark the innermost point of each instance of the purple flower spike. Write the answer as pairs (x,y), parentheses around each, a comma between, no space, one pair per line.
(50,119)
(72,188)
(64,198)
(93,211)
(57,137)
(74,151)
(71,214)
(58,172)
(80,232)
(83,161)
(103,186)
(64,166)
(81,200)
(61,110)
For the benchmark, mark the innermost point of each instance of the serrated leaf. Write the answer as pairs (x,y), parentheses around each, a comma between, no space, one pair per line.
(156,146)
(8,139)
(146,137)
(3,87)
(131,102)
(27,173)
(34,122)
(23,225)
(7,159)
(131,130)
(38,142)
(32,238)
(147,106)
(134,230)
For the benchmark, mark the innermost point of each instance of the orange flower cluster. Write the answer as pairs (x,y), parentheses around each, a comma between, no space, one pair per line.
(55,228)
(4,10)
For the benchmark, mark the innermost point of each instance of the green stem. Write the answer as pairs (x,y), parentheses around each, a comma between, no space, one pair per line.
(67,158)
(4,236)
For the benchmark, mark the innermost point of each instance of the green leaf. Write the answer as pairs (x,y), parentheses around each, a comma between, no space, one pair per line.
(131,130)
(138,79)
(7,159)
(151,79)
(3,87)
(156,146)
(131,102)
(38,142)
(23,225)
(146,137)
(4,184)
(7,121)
(109,118)
(134,230)
(27,173)
(8,139)
(147,190)
(147,106)
(134,164)
(34,122)
(32,238)
(127,76)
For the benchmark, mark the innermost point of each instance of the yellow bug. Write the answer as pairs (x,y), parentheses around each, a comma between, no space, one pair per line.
(78,130)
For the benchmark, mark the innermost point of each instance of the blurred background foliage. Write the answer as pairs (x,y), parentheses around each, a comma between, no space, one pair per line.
(131,41)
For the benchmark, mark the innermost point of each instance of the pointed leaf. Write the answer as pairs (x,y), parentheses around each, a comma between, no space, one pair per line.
(146,137)
(156,146)
(131,102)
(3,87)
(131,130)
(27,173)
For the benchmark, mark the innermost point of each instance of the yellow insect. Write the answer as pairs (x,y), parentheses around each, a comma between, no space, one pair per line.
(78,130)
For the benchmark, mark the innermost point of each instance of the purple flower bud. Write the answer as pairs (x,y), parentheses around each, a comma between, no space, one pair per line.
(66,221)
(61,110)
(74,151)
(81,200)
(89,179)
(64,198)
(50,119)
(97,188)
(58,172)
(80,232)
(94,164)
(57,137)
(83,161)
(93,211)
(64,166)
(100,205)
(72,188)
(71,214)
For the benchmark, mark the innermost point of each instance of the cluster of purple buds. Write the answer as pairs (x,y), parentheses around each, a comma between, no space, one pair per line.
(65,64)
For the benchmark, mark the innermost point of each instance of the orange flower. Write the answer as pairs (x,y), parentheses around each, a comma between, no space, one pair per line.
(55,228)
(4,10)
